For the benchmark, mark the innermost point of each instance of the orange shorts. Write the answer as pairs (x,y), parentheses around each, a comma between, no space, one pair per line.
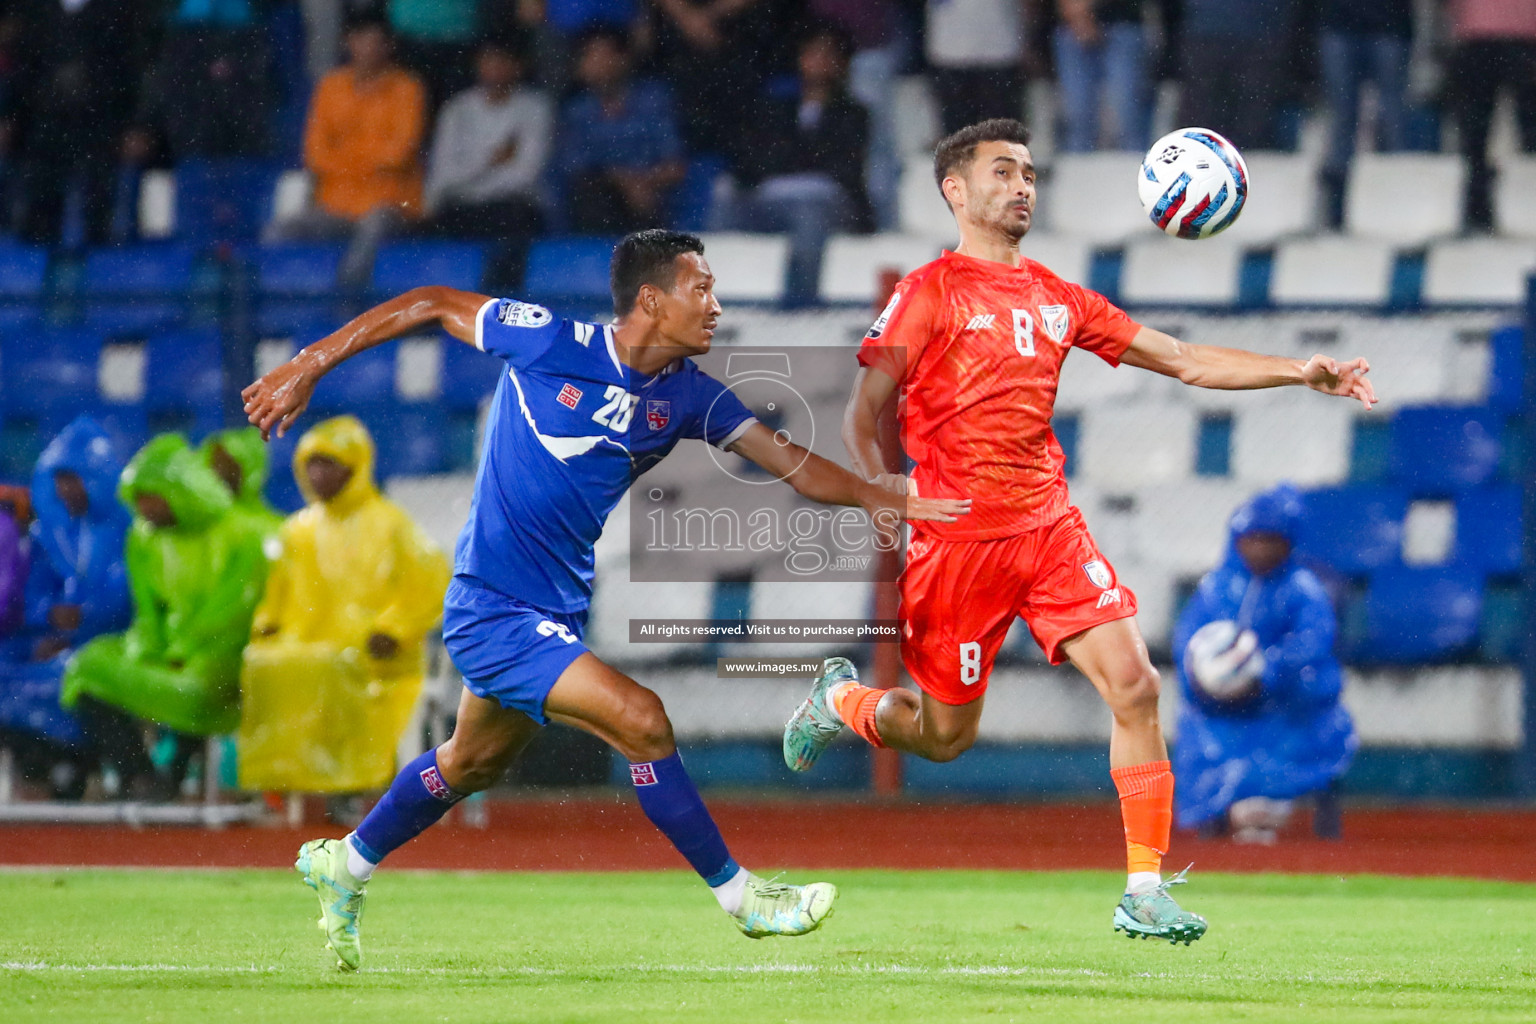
(958,599)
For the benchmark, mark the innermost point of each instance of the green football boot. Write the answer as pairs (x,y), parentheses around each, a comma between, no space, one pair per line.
(1153,914)
(323,865)
(813,727)
(773,908)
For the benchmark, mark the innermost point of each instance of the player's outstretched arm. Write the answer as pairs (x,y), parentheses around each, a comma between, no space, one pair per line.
(872,390)
(279,397)
(827,482)
(1233,369)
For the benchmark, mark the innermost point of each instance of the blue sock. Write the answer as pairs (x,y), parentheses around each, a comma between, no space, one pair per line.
(416,799)
(668,798)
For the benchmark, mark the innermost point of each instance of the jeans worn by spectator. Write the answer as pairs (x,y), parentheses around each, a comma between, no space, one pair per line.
(1348,60)
(808,208)
(1116,70)
(1479,68)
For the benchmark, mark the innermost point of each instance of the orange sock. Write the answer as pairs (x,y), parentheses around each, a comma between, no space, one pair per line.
(1146,807)
(856,707)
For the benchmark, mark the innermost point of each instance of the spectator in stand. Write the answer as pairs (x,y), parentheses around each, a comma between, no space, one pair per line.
(238,457)
(1494,47)
(1262,724)
(976,51)
(1360,41)
(14,556)
(74,92)
(1101,54)
(620,154)
(1235,58)
(437,40)
(362,145)
(716,56)
(488,157)
(801,160)
(338,647)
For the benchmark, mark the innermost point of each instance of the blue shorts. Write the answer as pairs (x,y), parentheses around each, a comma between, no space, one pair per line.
(507,650)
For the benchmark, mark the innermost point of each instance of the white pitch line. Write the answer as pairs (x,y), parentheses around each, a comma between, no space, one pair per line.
(39,966)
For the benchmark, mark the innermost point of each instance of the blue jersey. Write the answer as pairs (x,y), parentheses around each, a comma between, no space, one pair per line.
(570,428)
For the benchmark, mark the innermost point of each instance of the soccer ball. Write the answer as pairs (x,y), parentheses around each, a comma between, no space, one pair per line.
(1223,661)
(1192,183)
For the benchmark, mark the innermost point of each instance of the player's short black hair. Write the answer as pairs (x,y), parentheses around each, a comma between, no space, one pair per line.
(957,151)
(647,257)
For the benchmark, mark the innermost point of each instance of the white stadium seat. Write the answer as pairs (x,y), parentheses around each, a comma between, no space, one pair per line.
(290,196)
(1406,198)
(1092,196)
(1135,444)
(1182,526)
(747,267)
(1304,438)
(1088,382)
(616,600)
(1067,256)
(1514,197)
(1282,199)
(438,504)
(1153,586)
(1406,366)
(920,208)
(917,118)
(1332,270)
(804,599)
(157,204)
(852,264)
(1170,271)
(1478,271)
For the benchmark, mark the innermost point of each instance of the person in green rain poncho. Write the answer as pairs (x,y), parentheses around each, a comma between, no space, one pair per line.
(239,458)
(196,573)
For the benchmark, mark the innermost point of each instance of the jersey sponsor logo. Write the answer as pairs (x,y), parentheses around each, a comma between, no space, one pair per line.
(878,327)
(583,333)
(658,413)
(1111,596)
(643,774)
(569,396)
(981,321)
(522,314)
(1055,320)
(1098,574)
(433,780)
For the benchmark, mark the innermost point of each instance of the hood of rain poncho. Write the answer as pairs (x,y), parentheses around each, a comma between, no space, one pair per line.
(84,449)
(1278,510)
(168,466)
(249,451)
(345,439)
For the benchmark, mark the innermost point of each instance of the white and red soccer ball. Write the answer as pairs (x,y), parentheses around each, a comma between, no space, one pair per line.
(1193,183)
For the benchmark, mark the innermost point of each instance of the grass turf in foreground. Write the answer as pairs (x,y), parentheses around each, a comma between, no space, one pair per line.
(93,945)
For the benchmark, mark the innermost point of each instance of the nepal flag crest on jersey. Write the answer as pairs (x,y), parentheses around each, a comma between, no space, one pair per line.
(658,413)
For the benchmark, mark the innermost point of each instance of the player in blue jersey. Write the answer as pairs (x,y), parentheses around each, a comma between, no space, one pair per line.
(582,410)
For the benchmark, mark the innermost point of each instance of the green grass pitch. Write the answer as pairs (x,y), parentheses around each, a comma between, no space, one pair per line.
(202,946)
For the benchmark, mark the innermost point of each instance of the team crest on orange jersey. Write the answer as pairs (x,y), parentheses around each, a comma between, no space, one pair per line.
(1098,574)
(1055,320)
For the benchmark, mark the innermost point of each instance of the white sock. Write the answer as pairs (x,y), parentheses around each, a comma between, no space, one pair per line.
(835,692)
(729,892)
(360,867)
(1139,881)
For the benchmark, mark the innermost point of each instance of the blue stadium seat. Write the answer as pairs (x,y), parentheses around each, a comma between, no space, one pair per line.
(1488,530)
(406,265)
(222,200)
(1504,625)
(1441,450)
(23,272)
(135,289)
(469,376)
(295,284)
(573,269)
(50,375)
(1354,529)
(184,380)
(365,379)
(282,490)
(1506,368)
(411,438)
(1420,614)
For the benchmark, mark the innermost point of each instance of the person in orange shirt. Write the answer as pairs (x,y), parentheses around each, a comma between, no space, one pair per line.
(362,145)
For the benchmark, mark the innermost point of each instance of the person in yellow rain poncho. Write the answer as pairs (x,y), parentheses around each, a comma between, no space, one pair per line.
(239,457)
(196,574)
(338,651)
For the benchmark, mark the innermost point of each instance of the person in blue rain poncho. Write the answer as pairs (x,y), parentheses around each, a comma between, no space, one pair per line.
(1262,724)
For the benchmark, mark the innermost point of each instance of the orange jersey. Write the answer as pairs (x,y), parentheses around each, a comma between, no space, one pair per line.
(977,347)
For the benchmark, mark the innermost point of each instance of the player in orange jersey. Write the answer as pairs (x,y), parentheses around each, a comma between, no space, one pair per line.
(975,342)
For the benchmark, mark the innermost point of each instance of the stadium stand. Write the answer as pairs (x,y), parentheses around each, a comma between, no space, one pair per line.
(1478,271)
(1514,202)
(1169,272)
(852,264)
(1404,198)
(747,267)
(1332,271)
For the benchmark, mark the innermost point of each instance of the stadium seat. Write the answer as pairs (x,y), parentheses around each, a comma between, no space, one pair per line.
(1514,197)
(365,379)
(221,200)
(1305,441)
(469,376)
(616,600)
(1404,198)
(1135,444)
(1168,271)
(23,272)
(1088,382)
(1154,587)
(1067,256)
(572,269)
(921,210)
(1353,529)
(1506,368)
(295,284)
(1414,615)
(747,267)
(1406,366)
(411,438)
(184,380)
(1478,271)
(282,489)
(136,289)
(1092,196)
(810,599)
(405,265)
(917,119)
(852,264)
(157,205)
(1489,534)
(1440,450)
(1332,271)
(1282,202)
(1182,527)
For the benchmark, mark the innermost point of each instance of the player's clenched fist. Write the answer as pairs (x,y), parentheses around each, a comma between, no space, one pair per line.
(281,396)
